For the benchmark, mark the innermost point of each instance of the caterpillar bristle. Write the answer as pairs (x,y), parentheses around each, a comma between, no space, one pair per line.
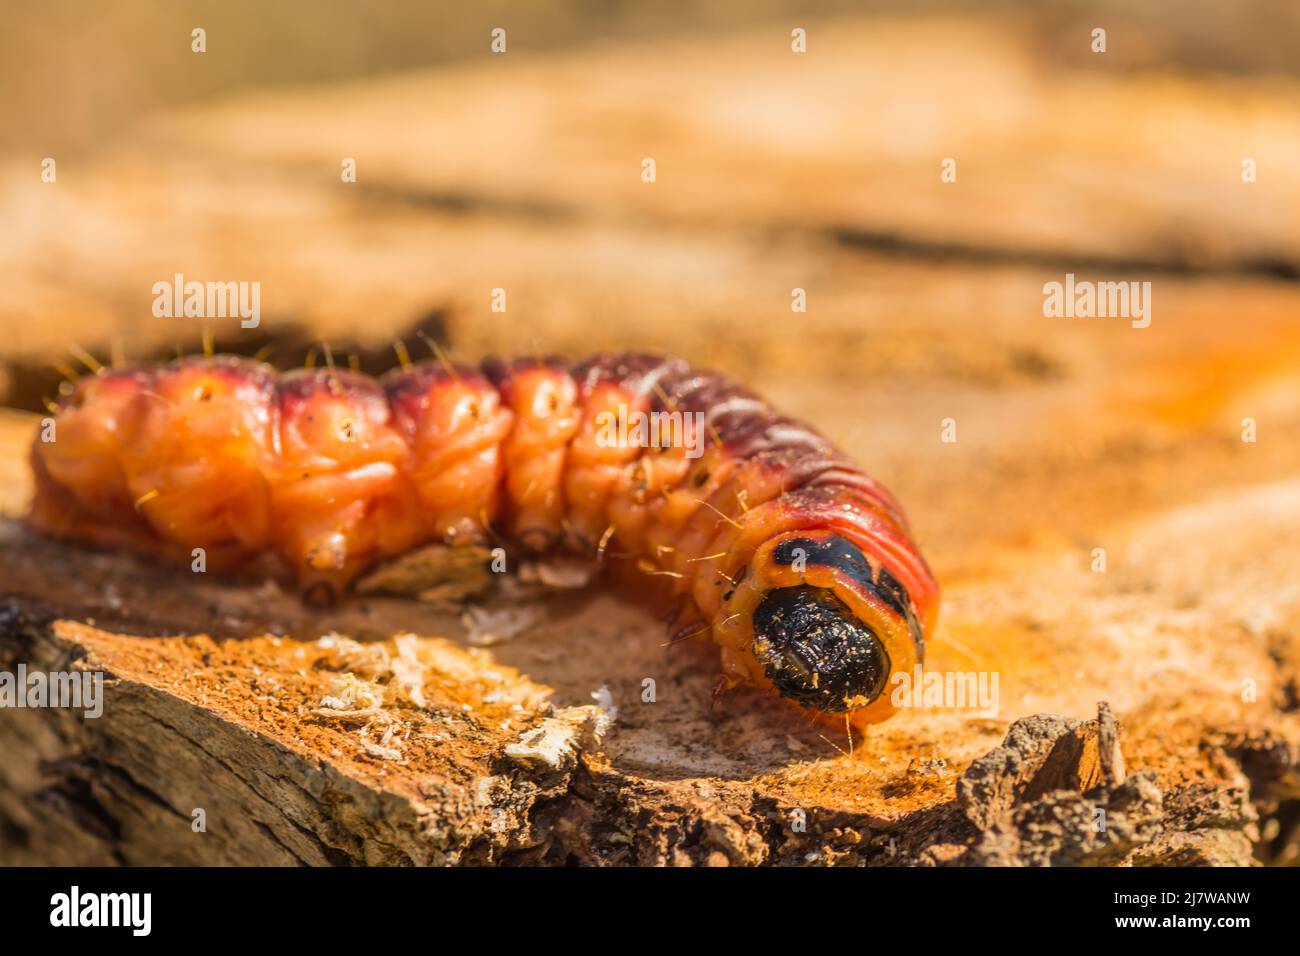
(69,373)
(335,385)
(668,401)
(645,567)
(721,514)
(437,352)
(708,557)
(604,543)
(145,498)
(85,358)
(683,634)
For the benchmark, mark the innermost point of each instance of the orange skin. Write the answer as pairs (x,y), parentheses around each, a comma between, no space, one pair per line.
(334,472)
(547,417)
(455,430)
(197,474)
(342,494)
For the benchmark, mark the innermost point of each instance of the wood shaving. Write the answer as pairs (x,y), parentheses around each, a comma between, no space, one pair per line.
(486,627)
(555,743)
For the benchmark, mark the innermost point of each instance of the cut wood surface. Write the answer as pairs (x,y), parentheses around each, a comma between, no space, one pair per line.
(924,305)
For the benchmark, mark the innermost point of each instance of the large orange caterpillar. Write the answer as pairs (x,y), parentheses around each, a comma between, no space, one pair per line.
(765,535)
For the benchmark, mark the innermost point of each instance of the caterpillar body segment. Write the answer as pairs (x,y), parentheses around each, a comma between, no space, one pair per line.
(454,425)
(757,528)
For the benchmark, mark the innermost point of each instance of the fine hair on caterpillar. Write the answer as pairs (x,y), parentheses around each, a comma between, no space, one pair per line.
(753,527)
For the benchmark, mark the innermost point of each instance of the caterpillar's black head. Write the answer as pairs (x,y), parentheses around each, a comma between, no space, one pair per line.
(816,651)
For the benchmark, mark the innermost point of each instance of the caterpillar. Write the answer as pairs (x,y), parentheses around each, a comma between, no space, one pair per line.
(756,529)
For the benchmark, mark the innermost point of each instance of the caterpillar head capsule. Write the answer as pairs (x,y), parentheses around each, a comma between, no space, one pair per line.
(826,625)
(816,652)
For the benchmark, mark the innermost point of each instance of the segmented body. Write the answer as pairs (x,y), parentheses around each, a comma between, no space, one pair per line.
(335,471)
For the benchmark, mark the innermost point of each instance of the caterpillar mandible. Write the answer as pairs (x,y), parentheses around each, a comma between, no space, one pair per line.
(764,534)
